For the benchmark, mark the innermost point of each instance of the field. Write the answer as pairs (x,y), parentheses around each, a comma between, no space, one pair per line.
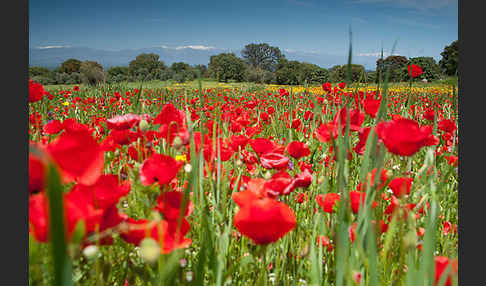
(240,184)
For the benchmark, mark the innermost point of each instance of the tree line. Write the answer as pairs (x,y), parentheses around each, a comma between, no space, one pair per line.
(259,63)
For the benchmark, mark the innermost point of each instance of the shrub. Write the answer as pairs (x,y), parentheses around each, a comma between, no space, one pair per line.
(396,63)
(91,73)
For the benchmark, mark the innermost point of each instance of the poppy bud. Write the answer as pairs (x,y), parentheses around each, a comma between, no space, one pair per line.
(149,250)
(144,126)
(90,251)
(177,142)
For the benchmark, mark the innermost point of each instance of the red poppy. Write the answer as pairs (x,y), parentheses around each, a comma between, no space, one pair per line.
(429,114)
(122,122)
(278,184)
(298,149)
(401,186)
(238,141)
(169,114)
(36,174)
(36,91)
(327,86)
(403,136)
(105,192)
(327,131)
(78,155)
(356,119)
(328,201)
(274,161)
(356,199)
(53,127)
(296,123)
(414,70)
(447,125)
(342,85)
(262,145)
(363,137)
(371,106)
(324,241)
(441,264)
(254,190)
(159,168)
(170,204)
(265,220)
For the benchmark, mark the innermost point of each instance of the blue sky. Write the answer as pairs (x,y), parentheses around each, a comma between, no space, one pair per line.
(420,27)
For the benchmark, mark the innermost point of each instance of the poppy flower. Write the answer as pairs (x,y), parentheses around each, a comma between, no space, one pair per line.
(356,119)
(447,125)
(298,149)
(296,123)
(172,236)
(328,201)
(78,155)
(325,242)
(169,114)
(105,192)
(441,264)
(303,179)
(136,230)
(342,85)
(327,131)
(262,145)
(371,106)
(429,114)
(264,220)
(356,198)
(401,186)
(278,184)
(327,87)
(36,91)
(159,168)
(363,137)
(53,127)
(238,141)
(254,190)
(170,204)
(414,70)
(122,122)
(37,173)
(403,136)
(274,161)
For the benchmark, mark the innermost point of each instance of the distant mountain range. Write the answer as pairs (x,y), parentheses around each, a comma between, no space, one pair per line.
(53,56)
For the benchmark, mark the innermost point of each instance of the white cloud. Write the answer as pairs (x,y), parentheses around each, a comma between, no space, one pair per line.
(376,55)
(194,47)
(52,47)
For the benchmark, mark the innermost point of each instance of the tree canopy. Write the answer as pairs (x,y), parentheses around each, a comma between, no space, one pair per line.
(262,56)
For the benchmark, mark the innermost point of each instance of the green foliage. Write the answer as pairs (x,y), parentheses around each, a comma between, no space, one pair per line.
(39,71)
(117,74)
(182,72)
(295,72)
(203,69)
(262,56)
(71,65)
(146,67)
(334,74)
(396,63)
(431,69)
(371,76)
(450,58)
(91,73)
(259,75)
(338,73)
(227,66)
